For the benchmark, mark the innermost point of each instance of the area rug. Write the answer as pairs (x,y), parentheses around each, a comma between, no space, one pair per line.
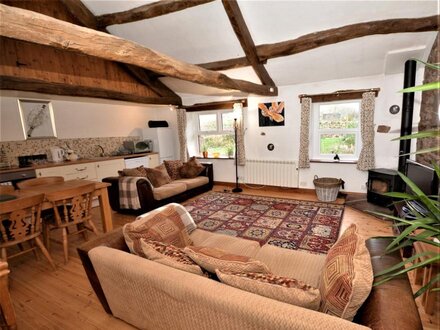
(288,223)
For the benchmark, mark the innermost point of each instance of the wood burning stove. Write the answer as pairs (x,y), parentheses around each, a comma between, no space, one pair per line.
(382,180)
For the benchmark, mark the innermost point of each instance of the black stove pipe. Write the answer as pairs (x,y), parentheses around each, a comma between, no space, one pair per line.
(409,80)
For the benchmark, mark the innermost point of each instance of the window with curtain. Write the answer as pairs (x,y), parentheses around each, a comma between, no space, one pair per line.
(214,133)
(336,129)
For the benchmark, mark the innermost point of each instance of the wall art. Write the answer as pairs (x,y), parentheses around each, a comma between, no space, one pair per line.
(271,114)
(37,118)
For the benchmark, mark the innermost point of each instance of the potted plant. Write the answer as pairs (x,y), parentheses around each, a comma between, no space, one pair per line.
(425,227)
(230,152)
(204,151)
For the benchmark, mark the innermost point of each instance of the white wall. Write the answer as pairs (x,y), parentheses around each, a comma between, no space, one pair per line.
(286,138)
(80,117)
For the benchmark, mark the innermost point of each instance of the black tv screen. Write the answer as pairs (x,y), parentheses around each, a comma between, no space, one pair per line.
(423,176)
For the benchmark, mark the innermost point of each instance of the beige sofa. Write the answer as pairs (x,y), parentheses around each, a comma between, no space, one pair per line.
(150,295)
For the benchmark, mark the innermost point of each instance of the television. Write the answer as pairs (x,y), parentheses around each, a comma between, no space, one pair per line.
(423,176)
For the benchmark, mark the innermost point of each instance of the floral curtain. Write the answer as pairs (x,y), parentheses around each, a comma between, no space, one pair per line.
(241,153)
(366,157)
(304,161)
(181,130)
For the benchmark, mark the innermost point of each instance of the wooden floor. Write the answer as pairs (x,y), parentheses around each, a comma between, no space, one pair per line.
(63,299)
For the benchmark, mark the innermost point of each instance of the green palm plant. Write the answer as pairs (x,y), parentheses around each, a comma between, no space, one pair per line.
(426,226)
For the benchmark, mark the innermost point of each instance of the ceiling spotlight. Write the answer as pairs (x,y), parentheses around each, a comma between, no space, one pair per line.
(394,109)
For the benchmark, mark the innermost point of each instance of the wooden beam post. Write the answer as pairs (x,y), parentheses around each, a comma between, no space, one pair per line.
(244,36)
(150,10)
(32,27)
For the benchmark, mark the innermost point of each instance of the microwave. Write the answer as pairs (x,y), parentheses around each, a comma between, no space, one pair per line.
(137,147)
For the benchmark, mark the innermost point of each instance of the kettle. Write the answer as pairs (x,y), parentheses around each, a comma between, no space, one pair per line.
(57,154)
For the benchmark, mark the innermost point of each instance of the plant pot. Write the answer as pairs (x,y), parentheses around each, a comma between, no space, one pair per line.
(205,154)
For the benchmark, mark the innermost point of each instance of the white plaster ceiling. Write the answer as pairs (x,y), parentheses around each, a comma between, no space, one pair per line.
(204,34)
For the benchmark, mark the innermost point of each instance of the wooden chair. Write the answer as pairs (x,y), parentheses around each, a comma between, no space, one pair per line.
(71,207)
(6,189)
(20,222)
(39,181)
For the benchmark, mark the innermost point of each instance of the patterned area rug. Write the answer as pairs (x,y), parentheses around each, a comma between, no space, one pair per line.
(288,223)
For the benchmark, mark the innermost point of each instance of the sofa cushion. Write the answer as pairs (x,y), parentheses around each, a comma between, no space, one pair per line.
(191,168)
(168,190)
(347,277)
(272,286)
(163,224)
(213,258)
(173,168)
(170,255)
(282,262)
(230,244)
(158,176)
(137,171)
(198,181)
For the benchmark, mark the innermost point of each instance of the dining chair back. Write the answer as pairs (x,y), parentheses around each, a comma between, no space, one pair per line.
(71,207)
(6,189)
(39,181)
(20,222)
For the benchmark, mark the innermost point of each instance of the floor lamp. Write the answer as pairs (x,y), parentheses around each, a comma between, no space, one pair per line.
(237,110)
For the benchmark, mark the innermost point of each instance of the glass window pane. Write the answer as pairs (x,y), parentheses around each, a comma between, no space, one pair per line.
(228,121)
(337,144)
(208,122)
(223,144)
(339,116)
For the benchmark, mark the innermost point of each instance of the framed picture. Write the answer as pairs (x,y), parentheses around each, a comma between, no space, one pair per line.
(271,114)
(37,118)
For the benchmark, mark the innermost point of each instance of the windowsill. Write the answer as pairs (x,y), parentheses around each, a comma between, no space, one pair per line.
(226,158)
(331,161)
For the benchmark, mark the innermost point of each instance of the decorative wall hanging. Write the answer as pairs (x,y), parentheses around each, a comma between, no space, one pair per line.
(271,114)
(37,118)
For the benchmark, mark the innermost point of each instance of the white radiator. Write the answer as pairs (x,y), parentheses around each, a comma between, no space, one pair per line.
(271,172)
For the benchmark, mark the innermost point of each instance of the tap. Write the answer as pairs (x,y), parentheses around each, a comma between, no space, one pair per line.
(102,150)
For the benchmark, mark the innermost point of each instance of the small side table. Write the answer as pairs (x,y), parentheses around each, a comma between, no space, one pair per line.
(429,272)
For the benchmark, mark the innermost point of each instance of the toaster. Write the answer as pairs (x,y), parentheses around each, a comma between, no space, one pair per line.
(137,147)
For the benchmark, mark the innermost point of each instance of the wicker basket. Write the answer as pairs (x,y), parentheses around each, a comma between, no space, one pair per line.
(327,188)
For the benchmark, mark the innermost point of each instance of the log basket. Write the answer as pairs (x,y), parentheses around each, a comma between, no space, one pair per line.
(327,188)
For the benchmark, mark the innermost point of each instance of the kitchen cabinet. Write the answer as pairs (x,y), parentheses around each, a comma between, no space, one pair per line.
(108,168)
(85,171)
(153,160)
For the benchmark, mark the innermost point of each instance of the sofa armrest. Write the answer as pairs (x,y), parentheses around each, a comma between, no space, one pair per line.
(113,239)
(208,172)
(390,305)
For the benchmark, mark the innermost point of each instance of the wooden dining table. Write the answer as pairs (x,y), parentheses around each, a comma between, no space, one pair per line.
(100,192)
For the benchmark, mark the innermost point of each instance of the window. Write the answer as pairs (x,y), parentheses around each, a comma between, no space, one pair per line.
(216,133)
(336,130)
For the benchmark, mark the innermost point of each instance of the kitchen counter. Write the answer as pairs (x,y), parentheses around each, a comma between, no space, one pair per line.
(68,162)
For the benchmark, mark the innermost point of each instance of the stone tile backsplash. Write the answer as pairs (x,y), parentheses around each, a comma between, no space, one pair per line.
(83,147)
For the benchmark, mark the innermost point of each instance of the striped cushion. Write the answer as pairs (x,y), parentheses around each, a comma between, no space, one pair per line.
(347,276)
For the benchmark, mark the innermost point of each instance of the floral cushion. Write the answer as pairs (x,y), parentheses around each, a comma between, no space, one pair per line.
(347,277)
(164,224)
(158,176)
(173,168)
(280,288)
(211,259)
(170,255)
(191,169)
(137,171)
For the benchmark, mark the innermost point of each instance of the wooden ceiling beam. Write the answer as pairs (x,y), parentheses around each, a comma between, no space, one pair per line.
(36,28)
(150,10)
(220,105)
(244,36)
(78,10)
(42,86)
(332,36)
(348,94)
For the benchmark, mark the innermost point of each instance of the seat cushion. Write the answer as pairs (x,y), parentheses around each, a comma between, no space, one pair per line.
(212,258)
(303,266)
(280,288)
(347,276)
(168,190)
(194,182)
(227,243)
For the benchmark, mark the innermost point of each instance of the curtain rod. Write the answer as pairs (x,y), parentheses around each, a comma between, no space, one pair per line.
(346,94)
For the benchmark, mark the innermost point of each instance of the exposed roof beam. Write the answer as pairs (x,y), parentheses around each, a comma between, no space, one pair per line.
(150,10)
(41,86)
(332,36)
(244,36)
(348,94)
(220,105)
(36,28)
(86,18)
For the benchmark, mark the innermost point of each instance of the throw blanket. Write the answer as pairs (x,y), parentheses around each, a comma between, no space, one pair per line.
(128,194)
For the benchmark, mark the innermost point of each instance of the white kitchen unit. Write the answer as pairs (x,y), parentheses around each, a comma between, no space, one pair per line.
(109,168)
(136,162)
(164,141)
(84,171)
(153,160)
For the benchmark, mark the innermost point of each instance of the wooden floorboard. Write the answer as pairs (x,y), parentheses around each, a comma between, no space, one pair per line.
(64,299)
